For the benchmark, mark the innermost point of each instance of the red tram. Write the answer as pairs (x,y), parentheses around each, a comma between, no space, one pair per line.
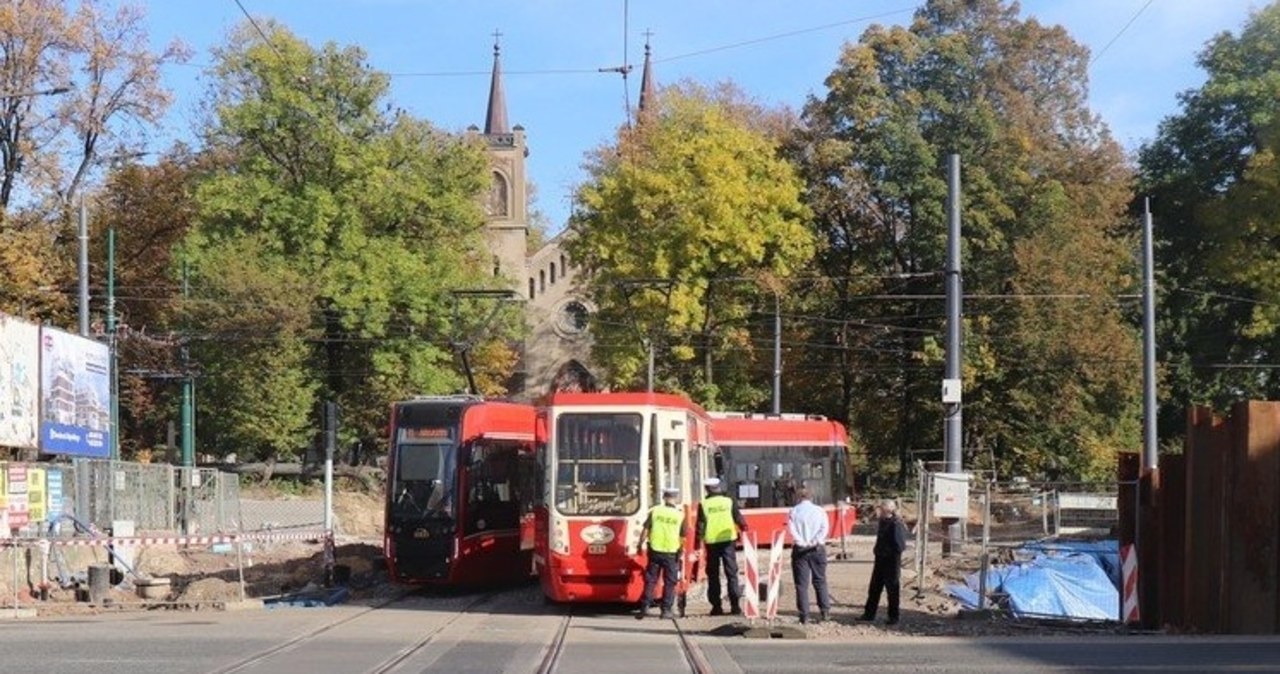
(608,457)
(764,458)
(462,481)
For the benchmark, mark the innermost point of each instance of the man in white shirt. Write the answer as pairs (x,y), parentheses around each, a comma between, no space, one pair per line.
(808,526)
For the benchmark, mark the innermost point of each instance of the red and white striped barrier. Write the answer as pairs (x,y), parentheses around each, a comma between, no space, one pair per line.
(1129,578)
(751,608)
(167,540)
(775,573)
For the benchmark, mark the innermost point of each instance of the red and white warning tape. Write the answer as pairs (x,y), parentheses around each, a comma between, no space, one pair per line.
(168,540)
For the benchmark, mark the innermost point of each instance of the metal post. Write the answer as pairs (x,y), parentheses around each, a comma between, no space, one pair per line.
(844,550)
(986,539)
(777,354)
(954,427)
(330,445)
(111,336)
(84,270)
(14,550)
(1150,459)
(922,527)
(188,414)
(649,345)
(240,561)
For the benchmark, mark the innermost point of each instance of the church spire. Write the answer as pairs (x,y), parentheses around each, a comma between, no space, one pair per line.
(495,121)
(648,89)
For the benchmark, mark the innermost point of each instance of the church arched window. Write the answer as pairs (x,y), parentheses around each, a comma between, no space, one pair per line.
(553,273)
(530,287)
(542,281)
(498,196)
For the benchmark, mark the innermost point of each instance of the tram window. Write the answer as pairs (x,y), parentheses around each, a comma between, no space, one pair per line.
(490,496)
(598,463)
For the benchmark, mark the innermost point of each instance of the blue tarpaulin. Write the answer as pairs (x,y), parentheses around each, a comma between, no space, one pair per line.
(1062,584)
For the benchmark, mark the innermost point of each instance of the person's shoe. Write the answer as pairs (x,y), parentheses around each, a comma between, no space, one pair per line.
(891,621)
(804,620)
(867,618)
(717,610)
(667,614)
(642,613)
(824,617)
(735,609)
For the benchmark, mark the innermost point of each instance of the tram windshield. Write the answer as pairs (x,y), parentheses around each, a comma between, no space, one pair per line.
(769,477)
(424,476)
(598,463)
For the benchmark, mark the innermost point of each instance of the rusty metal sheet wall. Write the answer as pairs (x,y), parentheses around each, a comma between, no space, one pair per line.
(1254,518)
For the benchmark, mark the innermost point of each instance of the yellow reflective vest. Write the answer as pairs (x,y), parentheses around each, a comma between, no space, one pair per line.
(717,511)
(664,528)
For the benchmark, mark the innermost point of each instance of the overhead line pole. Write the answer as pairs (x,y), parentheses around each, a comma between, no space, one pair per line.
(1150,454)
(952,405)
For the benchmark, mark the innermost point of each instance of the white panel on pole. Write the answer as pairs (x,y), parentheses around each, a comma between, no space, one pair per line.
(951,495)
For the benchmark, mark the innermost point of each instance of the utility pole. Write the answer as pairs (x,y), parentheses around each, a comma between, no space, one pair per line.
(111,336)
(84,270)
(952,385)
(188,387)
(1150,457)
(777,353)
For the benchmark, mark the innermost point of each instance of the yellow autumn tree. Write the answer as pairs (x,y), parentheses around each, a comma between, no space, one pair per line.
(688,225)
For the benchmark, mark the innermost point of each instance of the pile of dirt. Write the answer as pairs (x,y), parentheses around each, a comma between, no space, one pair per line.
(209,590)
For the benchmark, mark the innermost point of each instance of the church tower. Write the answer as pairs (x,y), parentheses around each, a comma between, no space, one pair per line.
(507,208)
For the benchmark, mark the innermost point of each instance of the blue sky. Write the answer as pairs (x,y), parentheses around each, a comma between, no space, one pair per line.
(426,44)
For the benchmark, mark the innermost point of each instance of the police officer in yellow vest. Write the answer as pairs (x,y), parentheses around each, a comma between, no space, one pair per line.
(719,521)
(665,531)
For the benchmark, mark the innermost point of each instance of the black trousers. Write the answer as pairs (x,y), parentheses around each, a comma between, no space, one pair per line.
(885,575)
(668,564)
(809,565)
(722,554)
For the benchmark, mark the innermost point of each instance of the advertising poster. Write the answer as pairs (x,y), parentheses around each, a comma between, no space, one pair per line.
(75,405)
(36,511)
(17,492)
(53,492)
(19,382)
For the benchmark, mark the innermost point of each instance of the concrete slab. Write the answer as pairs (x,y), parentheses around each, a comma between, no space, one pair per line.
(246,605)
(17,613)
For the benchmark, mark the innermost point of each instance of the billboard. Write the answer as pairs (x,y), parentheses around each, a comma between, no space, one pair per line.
(19,383)
(75,389)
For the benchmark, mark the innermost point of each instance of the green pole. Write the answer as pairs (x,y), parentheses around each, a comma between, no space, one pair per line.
(188,390)
(111,332)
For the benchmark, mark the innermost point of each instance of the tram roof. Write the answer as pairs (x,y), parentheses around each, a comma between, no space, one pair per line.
(774,432)
(622,399)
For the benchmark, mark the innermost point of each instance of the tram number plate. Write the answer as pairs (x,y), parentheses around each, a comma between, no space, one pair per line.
(595,549)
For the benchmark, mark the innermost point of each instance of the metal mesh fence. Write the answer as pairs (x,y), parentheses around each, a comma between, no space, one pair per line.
(101,492)
(1001,522)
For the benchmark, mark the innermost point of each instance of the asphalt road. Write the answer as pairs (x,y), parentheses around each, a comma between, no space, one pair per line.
(511,632)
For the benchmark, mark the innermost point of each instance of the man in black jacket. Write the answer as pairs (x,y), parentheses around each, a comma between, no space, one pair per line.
(891,540)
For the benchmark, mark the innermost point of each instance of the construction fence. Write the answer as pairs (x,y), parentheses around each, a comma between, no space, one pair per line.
(99,493)
(965,523)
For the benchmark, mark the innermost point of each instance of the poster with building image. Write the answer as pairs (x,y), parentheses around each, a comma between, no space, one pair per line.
(75,405)
(19,383)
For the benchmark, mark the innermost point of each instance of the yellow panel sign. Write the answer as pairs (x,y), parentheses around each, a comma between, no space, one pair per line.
(36,495)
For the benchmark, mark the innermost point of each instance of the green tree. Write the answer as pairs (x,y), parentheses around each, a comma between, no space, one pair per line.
(351,222)
(683,223)
(1044,190)
(1211,174)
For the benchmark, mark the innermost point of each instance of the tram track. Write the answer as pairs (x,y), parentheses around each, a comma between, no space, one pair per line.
(381,668)
(693,656)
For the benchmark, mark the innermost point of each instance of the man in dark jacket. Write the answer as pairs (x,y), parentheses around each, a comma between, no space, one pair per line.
(891,540)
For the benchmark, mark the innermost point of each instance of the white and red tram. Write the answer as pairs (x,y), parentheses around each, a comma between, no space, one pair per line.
(607,458)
